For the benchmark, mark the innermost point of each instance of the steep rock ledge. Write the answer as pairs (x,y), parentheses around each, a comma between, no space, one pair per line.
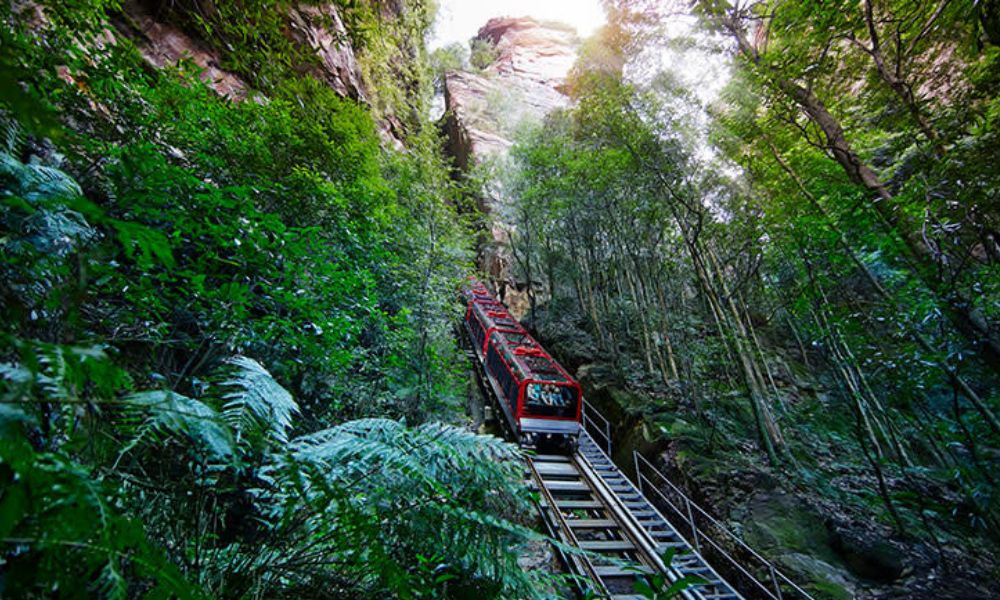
(318,27)
(524,82)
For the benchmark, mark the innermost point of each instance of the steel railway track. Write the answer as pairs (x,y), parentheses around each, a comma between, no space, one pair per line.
(588,503)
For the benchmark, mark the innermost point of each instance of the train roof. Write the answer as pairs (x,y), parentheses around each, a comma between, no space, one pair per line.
(495,315)
(528,359)
(524,355)
(476,289)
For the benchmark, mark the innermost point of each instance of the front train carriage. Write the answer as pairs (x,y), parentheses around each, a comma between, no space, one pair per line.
(539,399)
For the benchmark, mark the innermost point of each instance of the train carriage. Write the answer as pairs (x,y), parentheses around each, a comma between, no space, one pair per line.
(541,403)
(486,317)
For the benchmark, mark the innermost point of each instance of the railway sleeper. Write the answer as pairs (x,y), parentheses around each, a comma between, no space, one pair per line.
(591,523)
(575,504)
(556,469)
(616,571)
(567,486)
(607,545)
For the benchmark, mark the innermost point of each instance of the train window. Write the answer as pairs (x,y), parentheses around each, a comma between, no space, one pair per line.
(547,400)
(503,377)
(540,365)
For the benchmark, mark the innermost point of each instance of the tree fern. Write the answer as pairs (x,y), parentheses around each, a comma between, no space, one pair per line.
(256,406)
(169,413)
(397,492)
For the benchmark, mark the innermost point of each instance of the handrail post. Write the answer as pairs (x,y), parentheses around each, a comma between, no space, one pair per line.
(694,528)
(607,435)
(774,579)
(638,476)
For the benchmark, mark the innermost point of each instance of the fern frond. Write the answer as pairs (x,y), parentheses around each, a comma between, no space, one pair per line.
(359,447)
(468,443)
(58,233)
(12,171)
(256,405)
(53,378)
(371,494)
(37,183)
(12,420)
(16,374)
(11,133)
(167,412)
(110,582)
(42,183)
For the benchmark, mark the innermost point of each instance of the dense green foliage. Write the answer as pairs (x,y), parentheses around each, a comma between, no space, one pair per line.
(226,346)
(807,266)
(169,257)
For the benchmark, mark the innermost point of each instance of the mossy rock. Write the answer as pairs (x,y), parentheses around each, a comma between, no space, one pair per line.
(820,578)
(779,522)
(869,555)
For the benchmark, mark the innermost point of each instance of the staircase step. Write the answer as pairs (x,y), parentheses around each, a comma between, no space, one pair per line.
(662,547)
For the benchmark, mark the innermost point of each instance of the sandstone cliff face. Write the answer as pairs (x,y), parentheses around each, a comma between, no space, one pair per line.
(162,44)
(525,82)
(318,27)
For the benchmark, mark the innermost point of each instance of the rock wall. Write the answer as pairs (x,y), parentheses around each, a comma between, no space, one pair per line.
(525,82)
(163,44)
(318,27)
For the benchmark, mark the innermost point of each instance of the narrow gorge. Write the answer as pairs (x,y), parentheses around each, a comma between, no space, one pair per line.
(239,240)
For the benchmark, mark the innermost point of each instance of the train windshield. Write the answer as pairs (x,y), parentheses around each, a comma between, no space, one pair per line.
(549,400)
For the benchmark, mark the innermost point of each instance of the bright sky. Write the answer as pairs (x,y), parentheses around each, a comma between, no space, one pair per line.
(459,20)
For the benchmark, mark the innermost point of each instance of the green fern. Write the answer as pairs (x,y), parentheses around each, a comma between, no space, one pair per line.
(37,183)
(70,535)
(257,407)
(11,133)
(398,492)
(169,413)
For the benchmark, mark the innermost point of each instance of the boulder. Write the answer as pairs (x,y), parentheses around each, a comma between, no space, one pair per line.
(868,553)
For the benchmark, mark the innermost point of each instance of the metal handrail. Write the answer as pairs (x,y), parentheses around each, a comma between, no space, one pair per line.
(603,428)
(699,534)
(595,422)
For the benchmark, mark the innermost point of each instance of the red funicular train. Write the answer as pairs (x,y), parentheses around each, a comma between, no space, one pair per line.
(540,402)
